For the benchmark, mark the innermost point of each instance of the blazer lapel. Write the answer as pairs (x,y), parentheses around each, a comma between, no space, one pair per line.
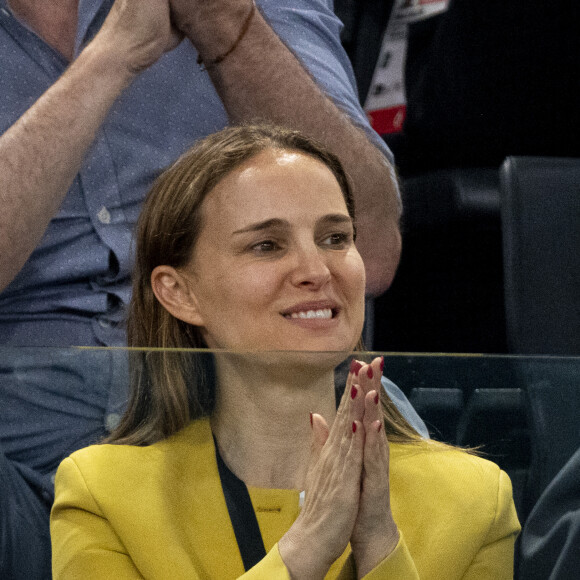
(207,529)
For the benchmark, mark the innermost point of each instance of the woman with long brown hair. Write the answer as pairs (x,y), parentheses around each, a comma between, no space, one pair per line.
(246,246)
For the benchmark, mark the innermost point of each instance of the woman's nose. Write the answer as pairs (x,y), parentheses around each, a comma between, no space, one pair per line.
(310,268)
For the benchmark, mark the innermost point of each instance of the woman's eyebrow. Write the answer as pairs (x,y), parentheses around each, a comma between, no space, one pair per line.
(278,223)
(335,218)
(265,225)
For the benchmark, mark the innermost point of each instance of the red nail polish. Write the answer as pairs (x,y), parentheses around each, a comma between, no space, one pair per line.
(382,363)
(311,420)
(370,372)
(377,399)
(353,364)
(353,392)
(357,368)
(354,426)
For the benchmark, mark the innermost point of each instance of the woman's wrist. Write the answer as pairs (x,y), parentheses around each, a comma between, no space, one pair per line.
(300,558)
(369,554)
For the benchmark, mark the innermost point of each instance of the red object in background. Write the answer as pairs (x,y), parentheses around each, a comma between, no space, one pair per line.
(388,121)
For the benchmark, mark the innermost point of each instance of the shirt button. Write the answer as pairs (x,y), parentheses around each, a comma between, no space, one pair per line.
(112,420)
(104,215)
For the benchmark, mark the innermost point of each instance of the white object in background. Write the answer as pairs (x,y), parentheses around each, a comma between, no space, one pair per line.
(386,103)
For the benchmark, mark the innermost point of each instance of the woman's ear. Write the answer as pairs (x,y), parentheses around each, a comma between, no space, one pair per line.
(174,293)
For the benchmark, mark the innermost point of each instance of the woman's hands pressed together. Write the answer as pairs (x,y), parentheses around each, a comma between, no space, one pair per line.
(375,534)
(347,485)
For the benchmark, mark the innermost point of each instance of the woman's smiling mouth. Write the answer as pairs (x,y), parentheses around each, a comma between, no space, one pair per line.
(312,313)
(324,313)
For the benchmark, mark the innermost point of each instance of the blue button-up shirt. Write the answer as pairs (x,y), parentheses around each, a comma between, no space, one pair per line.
(74,287)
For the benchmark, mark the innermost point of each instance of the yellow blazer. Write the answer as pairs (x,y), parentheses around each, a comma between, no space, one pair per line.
(158,512)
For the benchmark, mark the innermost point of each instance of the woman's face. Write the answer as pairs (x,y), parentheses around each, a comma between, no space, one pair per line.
(275,266)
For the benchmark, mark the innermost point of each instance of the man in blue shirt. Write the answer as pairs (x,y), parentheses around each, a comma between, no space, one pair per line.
(96,98)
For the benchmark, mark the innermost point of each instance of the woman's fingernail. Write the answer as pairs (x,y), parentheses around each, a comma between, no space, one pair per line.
(370,372)
(357,368)
(353,392)
(354,426)
(311,420)
(353,364)
(382,363)
(377,399)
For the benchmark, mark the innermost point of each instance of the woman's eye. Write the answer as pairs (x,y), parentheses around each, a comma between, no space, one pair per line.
(338,239)
(265,247)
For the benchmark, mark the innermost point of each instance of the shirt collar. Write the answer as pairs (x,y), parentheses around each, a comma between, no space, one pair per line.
(91,16)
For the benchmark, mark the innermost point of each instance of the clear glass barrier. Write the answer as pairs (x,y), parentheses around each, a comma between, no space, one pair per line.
(521,412)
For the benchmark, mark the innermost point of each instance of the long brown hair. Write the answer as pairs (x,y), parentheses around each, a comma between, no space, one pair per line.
(171,387)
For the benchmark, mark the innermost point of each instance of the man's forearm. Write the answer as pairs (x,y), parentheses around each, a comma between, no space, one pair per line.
(262,79)
(42,152)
